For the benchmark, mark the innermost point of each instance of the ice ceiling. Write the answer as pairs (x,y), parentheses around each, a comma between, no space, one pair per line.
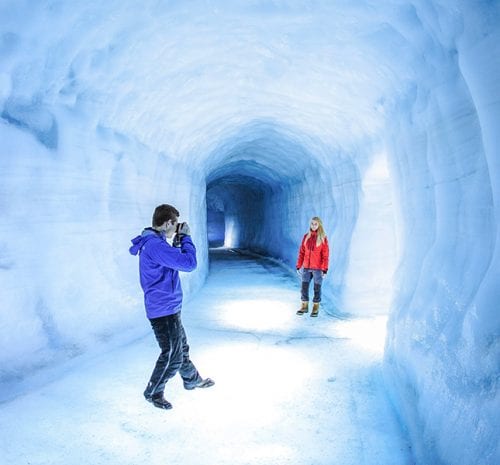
(379,116)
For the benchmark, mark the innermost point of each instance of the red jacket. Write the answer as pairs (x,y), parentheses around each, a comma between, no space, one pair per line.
(313,256)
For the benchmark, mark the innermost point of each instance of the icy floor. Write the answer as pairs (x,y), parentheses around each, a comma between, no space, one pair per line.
(289,389)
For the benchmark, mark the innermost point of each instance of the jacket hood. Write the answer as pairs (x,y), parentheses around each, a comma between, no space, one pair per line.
(139,241)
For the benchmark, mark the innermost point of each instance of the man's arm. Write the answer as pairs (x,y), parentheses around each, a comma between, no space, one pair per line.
(183,259)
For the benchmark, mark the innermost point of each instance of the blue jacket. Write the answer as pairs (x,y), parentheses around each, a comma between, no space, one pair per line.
(159,266)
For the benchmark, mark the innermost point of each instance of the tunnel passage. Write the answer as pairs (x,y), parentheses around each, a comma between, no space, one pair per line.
(264,182)
(216,220)
(237,198)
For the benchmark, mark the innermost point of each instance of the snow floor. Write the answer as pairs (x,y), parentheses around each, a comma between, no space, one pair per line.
(289,389)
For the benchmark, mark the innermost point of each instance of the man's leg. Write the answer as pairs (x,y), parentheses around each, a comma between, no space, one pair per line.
(160,330)
(169,337)
(189,374)
(187,370)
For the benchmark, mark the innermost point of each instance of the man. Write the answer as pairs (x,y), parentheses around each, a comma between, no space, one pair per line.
(159,266)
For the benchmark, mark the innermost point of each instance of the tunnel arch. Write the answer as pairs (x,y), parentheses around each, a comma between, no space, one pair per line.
(273,164)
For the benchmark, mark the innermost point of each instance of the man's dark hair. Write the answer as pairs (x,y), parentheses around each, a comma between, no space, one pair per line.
(164,213)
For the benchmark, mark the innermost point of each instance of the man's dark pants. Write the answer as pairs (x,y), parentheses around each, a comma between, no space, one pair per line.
(174,356)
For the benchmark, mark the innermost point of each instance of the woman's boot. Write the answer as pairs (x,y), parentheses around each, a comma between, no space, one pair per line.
(303,309)
(315,309)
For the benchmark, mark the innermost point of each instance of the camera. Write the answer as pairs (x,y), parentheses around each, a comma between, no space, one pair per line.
(179,227)
(181,230)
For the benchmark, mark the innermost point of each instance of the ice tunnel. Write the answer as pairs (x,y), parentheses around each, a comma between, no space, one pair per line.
(381,117)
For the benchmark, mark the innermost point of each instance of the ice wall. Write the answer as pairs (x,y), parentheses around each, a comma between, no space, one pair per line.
(369,114)
(443,348)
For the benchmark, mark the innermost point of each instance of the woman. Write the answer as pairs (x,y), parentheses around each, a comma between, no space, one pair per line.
(313,257)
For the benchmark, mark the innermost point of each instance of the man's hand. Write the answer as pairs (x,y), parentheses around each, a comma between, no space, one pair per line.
(184,230)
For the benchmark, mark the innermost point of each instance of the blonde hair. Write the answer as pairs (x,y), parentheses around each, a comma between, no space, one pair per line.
(321,231)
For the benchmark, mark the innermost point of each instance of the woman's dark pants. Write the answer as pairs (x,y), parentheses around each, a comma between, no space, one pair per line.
(317,277)
(174,356)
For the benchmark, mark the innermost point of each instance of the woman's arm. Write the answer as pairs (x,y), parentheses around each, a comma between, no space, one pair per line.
(325,255)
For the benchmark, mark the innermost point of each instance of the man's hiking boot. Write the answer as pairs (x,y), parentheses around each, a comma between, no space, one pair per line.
(159,401)
(202,384)
(303,309)
(315,309)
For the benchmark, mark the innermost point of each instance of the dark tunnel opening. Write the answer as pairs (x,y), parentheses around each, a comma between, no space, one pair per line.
(216,227)
(258,198)
(236,206)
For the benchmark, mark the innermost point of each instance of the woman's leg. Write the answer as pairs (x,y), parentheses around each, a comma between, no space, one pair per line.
(306,279)
(318,281)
